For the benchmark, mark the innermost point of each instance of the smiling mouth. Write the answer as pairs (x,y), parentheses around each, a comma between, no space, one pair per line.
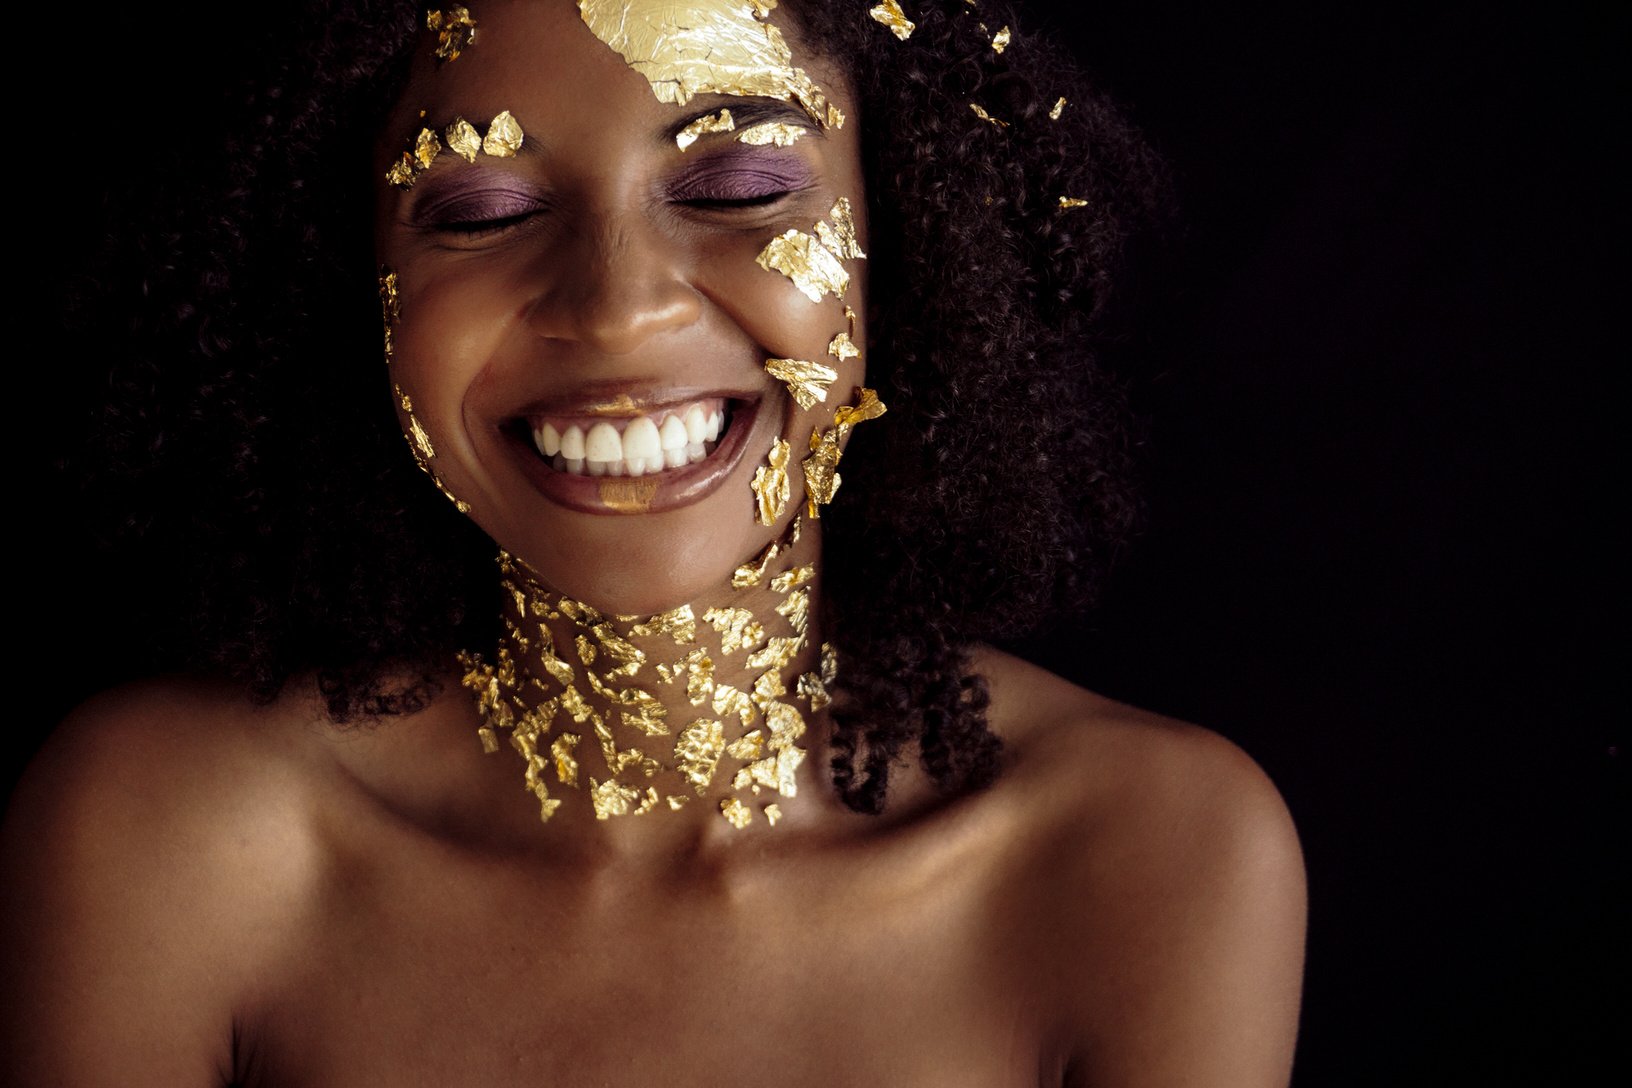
(638,445)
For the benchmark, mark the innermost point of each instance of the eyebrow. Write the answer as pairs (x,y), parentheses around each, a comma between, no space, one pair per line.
(746,113)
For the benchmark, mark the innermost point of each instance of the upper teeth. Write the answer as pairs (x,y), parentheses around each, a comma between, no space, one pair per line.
(632,446)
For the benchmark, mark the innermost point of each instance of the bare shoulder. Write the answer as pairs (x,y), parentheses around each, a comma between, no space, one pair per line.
(150,858)
(1170,875)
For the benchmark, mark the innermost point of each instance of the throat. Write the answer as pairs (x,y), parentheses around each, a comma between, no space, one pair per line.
(706,705)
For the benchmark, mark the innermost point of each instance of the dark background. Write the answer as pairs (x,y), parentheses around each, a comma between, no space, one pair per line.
(1380,554)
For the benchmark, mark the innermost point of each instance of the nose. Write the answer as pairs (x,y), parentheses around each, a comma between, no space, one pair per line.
(613,288)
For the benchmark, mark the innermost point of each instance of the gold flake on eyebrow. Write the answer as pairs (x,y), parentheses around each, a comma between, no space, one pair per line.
(736,813)
(1000,40)
(793,578)
(737,628)
(455,32)
(842,347)
(704,47)
(807,262)
(889,14)
(698,749)
(426,148)
(463,139)
(775,133)
(770,483)
(1067,202)
(807,381)
(751,572)
(714,122)
(984,116)
(1059,108)
(566,764)
(504,137)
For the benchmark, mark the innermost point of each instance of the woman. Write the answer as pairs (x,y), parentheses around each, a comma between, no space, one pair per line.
(648,276)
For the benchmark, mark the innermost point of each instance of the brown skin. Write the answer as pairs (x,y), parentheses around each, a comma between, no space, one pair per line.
(196,890)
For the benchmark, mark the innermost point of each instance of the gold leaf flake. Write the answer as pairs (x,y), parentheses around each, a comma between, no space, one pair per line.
(835,117)
(728,701)
(737,627)
(750,573)
(807,262)
(830,664)
(867,406)
(738,814)
(644,713)
(813,691)
(1000,40)
(677,801)
(426,148)
(566,763)
(578,612)
(1072,202)
(699,677)
(704,47)
(750,745)
(714,122)
(679,624)
(776,133)
(455,32)
(770,483)
(401,173)
(504,137)
(796,610)
(1059,108)
(773,813)
(490,740)
(840,238)
(769,687)
(889,14)
(786,724)
(586,650)
(612,798)
(793,578)
(617,648)
(984,116)
(843,347)
(698,748)
(807,381)
(463,139)
(776,653)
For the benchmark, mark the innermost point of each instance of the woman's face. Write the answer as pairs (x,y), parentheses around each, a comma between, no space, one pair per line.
(601,275)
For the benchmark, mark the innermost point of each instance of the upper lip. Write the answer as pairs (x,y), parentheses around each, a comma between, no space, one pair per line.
(625,401)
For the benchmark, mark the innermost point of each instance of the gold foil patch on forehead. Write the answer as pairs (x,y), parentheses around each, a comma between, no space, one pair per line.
(889,14)
(455,32)
(504,137)
(772,133)
(770,483)
(806,381)
(689,47)
(703,126)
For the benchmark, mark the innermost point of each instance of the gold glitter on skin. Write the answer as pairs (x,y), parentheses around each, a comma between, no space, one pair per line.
(806,381)
(1059,108)
(984,116)
(455,32)
(889,14)
(705,47)
(771,485)
(796,610)
(504,137)
(1000,40)
(463,139)
(774,133)
(1072,202)
(717,122)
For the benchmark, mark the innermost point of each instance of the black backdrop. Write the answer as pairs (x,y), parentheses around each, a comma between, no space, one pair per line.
(1381,477)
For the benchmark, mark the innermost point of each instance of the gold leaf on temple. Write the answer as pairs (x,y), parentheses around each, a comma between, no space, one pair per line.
(455,32)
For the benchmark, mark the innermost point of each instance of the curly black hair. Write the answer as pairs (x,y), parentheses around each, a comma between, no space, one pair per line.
(256,472)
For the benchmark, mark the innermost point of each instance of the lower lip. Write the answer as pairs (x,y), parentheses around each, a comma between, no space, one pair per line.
(652,494)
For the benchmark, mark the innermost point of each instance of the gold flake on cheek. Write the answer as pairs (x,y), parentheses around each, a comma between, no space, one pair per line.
(704,47)
(1000,40)
(715,122)
(1068,202)
(984,116)
(751,573)
(455,32)
(889,14)
(504,137)
(463,139)
(699,748)
(771,485)
(807,381)
(737,628)
(1059,108)
(840,238)
(843,347)
(736,813)
(807,262)
(777,133)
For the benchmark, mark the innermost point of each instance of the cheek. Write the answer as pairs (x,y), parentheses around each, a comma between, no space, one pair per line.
(452,321)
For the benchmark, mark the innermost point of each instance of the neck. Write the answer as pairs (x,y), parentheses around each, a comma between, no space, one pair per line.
(701,710)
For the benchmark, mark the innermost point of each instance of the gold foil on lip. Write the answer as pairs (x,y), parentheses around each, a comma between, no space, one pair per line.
(1067,202)
(703,126)
(806,381)
(807,262)
(504,137)
(771,133)
(704,47)
(984,116)
(842,347)
(463,139)
(455,32)
(1000,40)
(1059,108)
(626,494)
(770,483)
(889,14)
